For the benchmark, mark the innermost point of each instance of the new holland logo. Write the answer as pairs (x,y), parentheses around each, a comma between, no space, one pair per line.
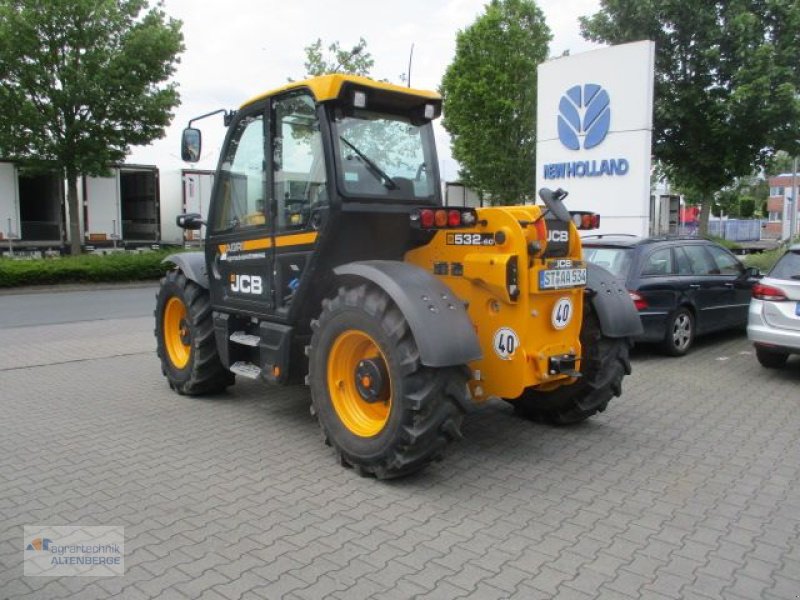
(584,113)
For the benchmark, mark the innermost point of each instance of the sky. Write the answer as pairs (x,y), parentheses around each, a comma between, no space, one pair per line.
(240,48)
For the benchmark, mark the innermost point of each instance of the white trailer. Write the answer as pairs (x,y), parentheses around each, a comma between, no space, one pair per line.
(123,206)
(9,203)
(134,205)
(197,186)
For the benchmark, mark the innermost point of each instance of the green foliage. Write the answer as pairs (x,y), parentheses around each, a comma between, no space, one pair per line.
(489,93)
(764,261)
(726,82)
(82,81)
(739,201)
(781,163)
(355,61)
(730,245)
(122,266)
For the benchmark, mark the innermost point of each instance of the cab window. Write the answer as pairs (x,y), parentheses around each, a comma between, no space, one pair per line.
(242,185)
(300,184)
(384,156)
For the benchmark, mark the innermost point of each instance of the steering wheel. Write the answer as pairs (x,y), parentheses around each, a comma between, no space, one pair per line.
(297,211)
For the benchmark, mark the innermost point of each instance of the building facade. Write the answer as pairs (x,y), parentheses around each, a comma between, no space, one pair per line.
(779,205)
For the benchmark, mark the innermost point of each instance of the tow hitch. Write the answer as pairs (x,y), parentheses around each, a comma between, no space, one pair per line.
(563,364)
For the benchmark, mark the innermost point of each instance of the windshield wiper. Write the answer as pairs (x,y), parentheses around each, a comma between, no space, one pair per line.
(376,171)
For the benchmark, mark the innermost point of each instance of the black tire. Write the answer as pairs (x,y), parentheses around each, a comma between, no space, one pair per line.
(424,413)
(604,364)
(203,372)
(771,359)
(680,333)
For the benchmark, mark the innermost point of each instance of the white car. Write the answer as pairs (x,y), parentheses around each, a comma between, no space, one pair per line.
(774,317)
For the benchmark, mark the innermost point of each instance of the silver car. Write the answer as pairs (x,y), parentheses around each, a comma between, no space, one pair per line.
(774,317)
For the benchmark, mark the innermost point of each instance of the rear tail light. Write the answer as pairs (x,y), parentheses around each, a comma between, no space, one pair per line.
(428,218)
(767,292)
(453,218)
(585,220)
(638,301)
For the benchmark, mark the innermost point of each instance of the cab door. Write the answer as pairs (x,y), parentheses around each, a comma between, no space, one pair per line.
(239,245)
(299,191)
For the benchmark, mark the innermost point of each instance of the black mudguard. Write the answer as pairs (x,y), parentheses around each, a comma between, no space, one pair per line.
(439,322)
(615,310)
(193,265)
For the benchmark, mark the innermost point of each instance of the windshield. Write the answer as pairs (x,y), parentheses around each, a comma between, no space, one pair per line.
(385,157)
(788,267)
(616,260)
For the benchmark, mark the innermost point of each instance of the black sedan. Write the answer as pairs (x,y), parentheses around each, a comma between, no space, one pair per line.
(682,287)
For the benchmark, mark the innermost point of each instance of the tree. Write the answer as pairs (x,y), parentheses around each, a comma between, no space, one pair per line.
(82,81)
(489,93)
(741,199)
(726,83)
(356,61)
(781,163)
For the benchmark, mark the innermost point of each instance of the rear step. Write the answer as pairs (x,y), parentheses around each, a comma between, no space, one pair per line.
(245,369)
(240,337)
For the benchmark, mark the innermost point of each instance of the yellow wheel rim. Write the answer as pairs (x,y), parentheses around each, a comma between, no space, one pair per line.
(177,336)
(362,418)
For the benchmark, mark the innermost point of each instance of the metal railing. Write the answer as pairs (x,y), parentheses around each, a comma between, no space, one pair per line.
(735,230)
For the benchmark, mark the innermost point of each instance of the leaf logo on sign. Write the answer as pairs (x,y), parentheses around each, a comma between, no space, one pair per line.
(584,112)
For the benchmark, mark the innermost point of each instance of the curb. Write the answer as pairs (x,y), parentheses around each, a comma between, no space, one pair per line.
(77,287)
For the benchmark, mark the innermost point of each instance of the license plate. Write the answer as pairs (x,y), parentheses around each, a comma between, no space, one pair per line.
(556,279)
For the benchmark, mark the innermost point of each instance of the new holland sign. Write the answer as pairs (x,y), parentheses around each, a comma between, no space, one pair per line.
(594,132)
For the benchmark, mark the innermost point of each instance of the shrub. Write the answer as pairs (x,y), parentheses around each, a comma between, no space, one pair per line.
(121,266)
(764,261)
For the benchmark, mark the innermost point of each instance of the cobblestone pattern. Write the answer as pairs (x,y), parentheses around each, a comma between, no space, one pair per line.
(687,487)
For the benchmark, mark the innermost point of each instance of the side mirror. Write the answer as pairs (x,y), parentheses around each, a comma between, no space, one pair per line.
(752,273)
(553,201)
(191,144)
(190,221)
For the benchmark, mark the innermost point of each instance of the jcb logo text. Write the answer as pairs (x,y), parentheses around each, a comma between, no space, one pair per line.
(246,284)
(557,236)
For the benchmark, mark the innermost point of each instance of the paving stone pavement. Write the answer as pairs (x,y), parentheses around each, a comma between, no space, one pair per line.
(687,487)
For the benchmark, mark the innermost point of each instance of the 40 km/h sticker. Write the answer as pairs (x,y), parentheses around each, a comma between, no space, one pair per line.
(505,343)
(562,313)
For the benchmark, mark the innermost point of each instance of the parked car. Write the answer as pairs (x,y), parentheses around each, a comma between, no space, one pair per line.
(683,287)
(774,317)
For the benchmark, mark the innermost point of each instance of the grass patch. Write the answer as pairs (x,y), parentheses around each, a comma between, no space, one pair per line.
(122,266)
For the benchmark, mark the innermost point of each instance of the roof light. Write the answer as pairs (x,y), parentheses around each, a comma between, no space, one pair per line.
(359,99)
(430,111)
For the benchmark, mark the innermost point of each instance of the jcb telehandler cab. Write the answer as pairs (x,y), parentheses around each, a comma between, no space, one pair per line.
(330,259)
